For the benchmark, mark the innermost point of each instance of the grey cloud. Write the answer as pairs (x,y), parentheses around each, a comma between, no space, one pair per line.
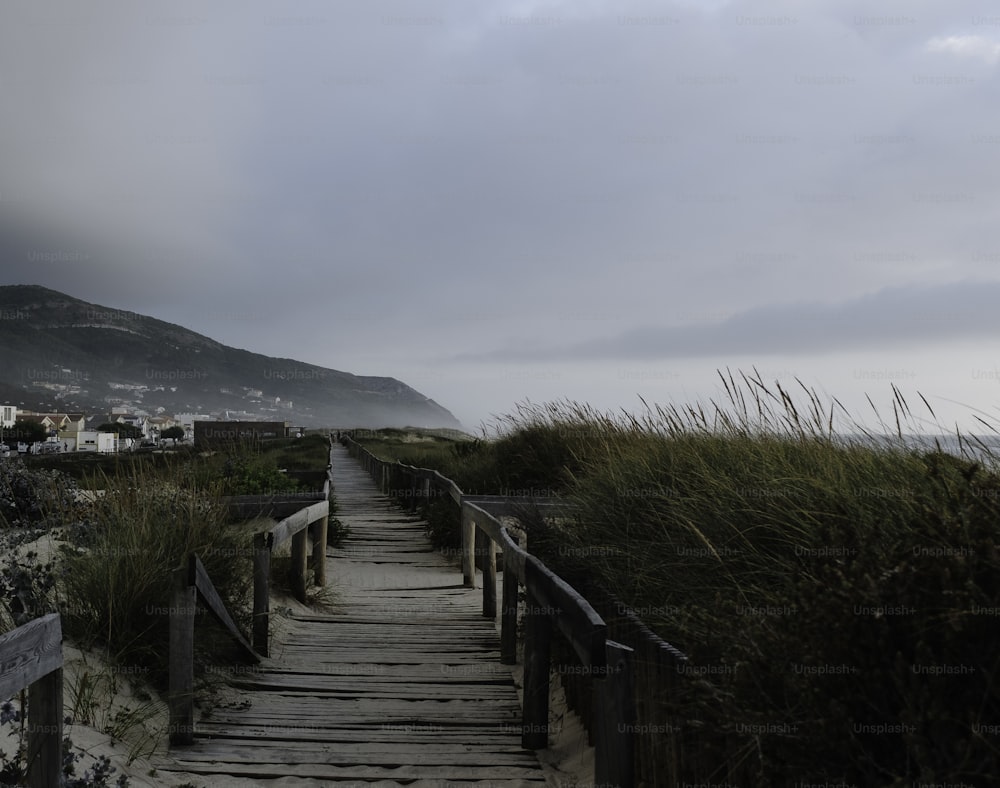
(890,318)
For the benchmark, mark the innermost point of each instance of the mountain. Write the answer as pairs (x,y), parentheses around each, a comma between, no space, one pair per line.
(73,355)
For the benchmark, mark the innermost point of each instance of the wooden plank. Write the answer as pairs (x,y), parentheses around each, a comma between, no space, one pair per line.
(261,592)
(572,614)
(537,655)
(45,730)
(197,573)
(180,696)
(490,580)
(614,716)
(292,524)
(261,753)
(29,653)
(367,773)
(298,568)
(319,537)
(468,548)
(508,614)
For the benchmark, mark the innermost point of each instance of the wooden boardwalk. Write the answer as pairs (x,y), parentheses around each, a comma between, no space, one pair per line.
(401,686)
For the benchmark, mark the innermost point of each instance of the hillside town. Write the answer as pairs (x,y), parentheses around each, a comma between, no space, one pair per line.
(121,430)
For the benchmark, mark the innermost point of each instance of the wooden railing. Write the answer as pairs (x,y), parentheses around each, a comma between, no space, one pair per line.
(31,657)
(550,604)
(191,583)
(308,524)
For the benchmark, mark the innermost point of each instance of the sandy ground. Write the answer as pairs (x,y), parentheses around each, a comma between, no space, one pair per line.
(117,715)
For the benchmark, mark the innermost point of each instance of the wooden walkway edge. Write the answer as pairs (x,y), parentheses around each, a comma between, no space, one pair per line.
(402,685)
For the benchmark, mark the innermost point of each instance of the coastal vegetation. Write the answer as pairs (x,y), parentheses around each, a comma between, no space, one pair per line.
(836,589)
(101,551)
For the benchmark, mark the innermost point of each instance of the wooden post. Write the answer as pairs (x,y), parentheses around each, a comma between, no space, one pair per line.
(320,528)
(45,730)
(614,720)
(261,592)
(508,615)
(468,549)
(537,651)
(490,578)
(299,566)
(181,682)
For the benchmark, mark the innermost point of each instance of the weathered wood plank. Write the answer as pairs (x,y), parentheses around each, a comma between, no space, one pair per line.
(45,730)
(292,524)
(211,598)
(180,696)
(29,653)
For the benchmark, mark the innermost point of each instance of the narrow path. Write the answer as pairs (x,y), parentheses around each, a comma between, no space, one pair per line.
(401,686)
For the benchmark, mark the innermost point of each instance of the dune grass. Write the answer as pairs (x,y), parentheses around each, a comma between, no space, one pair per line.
(836,591)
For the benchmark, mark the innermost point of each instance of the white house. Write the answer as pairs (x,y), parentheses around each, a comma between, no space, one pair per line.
(100,442)
(8,415)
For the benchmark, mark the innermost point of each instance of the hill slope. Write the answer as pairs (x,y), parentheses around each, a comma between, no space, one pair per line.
(88,357)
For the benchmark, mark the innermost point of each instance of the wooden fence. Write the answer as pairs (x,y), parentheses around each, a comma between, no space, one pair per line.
(550,604)
(31,657)
(306,528)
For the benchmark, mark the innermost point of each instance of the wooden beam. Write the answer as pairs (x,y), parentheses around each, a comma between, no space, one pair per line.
(261,592)
(537,654)
(292,524)
(206,589)
(29,653)
(181,683)
(490,579)
(297,571)
(319,536)
(572,614)
(508,613)
(614,720)
(45,730)
(468,548)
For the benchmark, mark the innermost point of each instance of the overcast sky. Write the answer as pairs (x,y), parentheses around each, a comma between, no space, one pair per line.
(506,201)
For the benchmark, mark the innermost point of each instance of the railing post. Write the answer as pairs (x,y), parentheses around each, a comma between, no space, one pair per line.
(320,527)
(490,578)
(468,549)
(261,592)
(537,653)
(614,720)
(299,563)
(45,730)
(508,615)
(181,656)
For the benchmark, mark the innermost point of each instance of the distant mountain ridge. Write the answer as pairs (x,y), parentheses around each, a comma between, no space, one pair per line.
(69,354)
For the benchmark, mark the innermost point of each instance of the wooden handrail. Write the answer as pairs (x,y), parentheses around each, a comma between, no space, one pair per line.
(550,600)
(309,522)
(192,582)
(31,657)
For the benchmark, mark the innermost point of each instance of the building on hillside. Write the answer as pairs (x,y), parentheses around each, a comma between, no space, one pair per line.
(217,433)
(8,415)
